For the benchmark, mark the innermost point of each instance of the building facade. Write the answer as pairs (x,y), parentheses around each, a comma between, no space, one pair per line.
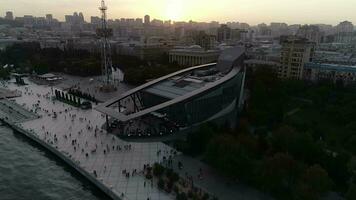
(312,33)
(180,102)
(223,33)
(9,15)
(330,72)
(344,32)
(295,53)
(193,55)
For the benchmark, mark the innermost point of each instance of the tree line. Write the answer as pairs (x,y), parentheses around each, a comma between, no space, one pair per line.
(29,57)
(294,140)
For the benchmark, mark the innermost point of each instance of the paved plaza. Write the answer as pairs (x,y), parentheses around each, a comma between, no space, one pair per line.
(91,86)
(78,135)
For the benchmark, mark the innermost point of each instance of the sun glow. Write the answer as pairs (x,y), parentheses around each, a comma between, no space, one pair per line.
(174,10)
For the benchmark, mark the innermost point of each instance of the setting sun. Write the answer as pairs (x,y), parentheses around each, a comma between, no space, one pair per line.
(173,10)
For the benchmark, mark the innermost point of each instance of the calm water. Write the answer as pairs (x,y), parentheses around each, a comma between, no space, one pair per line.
(27,172)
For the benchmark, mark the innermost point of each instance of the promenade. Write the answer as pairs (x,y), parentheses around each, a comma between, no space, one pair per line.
(110,162)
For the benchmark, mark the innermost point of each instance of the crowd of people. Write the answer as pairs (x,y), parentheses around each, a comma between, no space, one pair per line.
(87,141)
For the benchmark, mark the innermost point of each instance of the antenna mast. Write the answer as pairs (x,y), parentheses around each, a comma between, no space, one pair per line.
(104,33)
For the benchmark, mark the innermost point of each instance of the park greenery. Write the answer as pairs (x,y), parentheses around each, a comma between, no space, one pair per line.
(4,73)
(294,139)
(29,57)
(139,71)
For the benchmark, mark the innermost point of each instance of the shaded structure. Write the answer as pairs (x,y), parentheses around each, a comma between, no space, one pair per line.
(180,101)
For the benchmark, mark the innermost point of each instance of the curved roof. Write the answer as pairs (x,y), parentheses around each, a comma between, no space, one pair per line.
(226,62)
(104,108)
(195,47)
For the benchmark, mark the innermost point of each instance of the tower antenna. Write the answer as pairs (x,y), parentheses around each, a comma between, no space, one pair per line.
(106,63)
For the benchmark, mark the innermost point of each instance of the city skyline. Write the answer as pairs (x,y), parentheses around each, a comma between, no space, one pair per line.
(291,12)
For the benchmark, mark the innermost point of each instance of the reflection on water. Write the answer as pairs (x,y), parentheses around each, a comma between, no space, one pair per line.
(28,172)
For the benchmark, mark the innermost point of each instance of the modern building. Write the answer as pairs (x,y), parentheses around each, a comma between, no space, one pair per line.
(295,53)
(95,20)
(179,102)
(193,55)
(264,30)
(344,32)
(204,40)
(49,17)
(255,64)
(330,72)
(223,33)
(278,29)
(143,51)
(147,20)
(312,33)
(9,15)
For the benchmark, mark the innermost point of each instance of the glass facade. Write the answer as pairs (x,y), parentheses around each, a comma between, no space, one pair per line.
(202,107)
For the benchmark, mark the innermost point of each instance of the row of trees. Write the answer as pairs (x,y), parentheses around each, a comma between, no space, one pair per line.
(29,57)
(83,95)
(139,71)
(71,99)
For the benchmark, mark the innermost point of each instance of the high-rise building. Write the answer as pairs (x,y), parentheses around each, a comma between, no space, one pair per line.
(138,21)
(147,20)
(295,53)
(81,18)
(9,15)
(278,29)
(293,29)
(223,33)
(264,30)
(49,17)
(95,20)
(344,32)
(312,33)
(75,19)
(28,20)
(69,19)
(204,40)
(156,22)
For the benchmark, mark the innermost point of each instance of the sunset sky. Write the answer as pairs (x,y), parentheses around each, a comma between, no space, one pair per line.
(250,11)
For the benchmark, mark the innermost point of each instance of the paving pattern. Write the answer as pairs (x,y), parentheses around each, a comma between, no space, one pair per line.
(77,134)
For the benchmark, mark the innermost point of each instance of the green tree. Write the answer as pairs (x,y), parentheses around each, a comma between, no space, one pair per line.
(314,183)
(279,174)
(158,169)
(351,193)
(299,144)
(231,157)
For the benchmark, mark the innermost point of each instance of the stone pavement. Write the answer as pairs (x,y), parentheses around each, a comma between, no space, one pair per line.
(69,133)
(77,134)
(214,183)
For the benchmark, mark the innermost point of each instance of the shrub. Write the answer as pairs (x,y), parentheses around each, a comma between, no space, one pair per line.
(160,184)
(158,169)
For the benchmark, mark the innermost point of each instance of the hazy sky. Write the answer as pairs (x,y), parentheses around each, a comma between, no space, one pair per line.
(250,11)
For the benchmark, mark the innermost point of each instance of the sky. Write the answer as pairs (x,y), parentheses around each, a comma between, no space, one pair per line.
(250,11)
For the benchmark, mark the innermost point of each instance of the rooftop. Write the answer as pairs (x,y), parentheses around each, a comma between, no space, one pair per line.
(183,84)
(176,87)
(334,67)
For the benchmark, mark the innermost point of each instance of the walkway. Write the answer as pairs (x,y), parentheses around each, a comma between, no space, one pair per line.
(77,134)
